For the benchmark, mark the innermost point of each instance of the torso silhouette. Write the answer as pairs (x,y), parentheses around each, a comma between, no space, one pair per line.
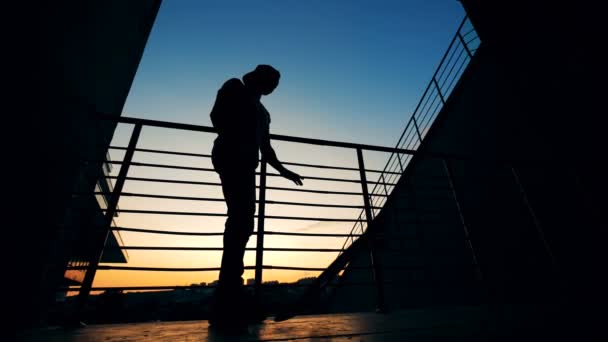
(242,123)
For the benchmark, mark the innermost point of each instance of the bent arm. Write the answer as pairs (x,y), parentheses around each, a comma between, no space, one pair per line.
(270,156)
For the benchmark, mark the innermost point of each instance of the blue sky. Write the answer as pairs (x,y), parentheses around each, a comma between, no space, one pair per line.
(351,71)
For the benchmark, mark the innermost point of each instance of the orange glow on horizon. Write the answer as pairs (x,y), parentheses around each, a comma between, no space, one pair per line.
(173,140)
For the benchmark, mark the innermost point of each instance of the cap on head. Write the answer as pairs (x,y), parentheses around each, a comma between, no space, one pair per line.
(264,77)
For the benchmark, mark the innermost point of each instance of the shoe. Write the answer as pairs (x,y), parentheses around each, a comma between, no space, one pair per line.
(226,327)
(256,315)
(254,312)
(224,319)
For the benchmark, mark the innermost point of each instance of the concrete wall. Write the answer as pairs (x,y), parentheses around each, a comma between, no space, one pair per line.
(83,56)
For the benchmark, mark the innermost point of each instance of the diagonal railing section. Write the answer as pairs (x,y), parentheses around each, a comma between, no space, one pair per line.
(459,53)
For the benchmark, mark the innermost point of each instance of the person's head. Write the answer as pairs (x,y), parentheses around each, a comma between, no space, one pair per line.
(264,79)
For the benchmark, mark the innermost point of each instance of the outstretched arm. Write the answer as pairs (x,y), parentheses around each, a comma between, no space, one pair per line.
(271,157)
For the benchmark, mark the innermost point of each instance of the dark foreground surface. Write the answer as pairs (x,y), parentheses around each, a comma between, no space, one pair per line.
(450,324)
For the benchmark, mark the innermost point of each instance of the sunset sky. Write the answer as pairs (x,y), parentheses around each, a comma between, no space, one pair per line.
(350,71)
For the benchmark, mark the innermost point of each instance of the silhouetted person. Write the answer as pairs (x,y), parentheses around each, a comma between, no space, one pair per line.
(242,123)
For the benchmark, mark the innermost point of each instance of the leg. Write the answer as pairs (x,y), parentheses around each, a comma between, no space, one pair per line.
(239,193)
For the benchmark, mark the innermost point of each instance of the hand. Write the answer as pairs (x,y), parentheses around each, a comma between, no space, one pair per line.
(292,176)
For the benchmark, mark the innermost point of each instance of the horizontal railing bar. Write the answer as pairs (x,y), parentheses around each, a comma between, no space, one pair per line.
(330,179)
(155,269)
(150,231)
(433,155)
(450,73)
(334,167)
(194,269)
(192,168)
(186,287)
(340,144)
(472,40)
(173,181)
(316,191)
(174,125)
(468,32)
(147,150)
(136,288)
(271,249)
(161,212)
(140,288)
(303,218)
(177,181)
(293,268)
(317,204)
(209,269)
(308,234)
(209,156)
(189,213)
(447,63)
(164,166)
(160,248)
(197,128)
(188,198)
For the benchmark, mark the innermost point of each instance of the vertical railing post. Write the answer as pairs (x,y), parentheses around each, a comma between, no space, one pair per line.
(438,90)
(536,221)
(100,242)
(464,44)
(417,128)
(467,236)
(259,250)
(384,184)
(400,163)
(368,216)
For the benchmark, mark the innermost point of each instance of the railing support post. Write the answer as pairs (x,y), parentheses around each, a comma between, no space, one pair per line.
(384,184)
(536,221)
(467,235)
(438,90)
(100,241)
(464,44)
(400,162)
(417,129)
(368,216)
(259,251)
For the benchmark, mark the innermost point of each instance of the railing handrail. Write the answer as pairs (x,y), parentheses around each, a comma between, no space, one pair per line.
(412,121)
(289,138)
(202,155)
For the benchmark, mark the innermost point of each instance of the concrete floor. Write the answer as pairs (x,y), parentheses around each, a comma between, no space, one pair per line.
(453,324)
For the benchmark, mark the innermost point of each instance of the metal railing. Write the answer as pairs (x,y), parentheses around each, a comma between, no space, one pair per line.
(464,44)
(459,53)
(129,161)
